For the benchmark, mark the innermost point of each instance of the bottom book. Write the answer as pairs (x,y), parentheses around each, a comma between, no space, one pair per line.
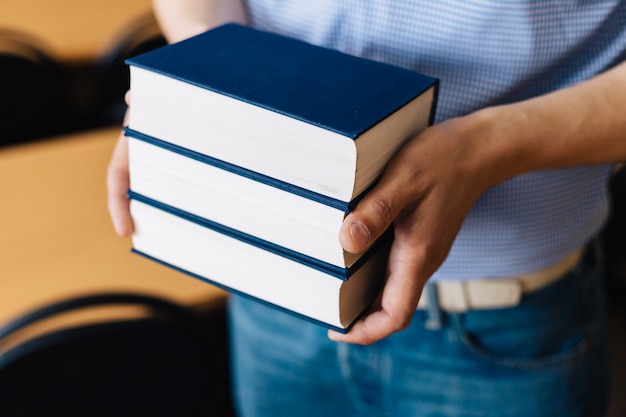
(265,275)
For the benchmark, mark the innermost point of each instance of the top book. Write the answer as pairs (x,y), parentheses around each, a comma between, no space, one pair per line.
(314,118)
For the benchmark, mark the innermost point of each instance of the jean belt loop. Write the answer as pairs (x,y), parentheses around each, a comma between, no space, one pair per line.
(434,314)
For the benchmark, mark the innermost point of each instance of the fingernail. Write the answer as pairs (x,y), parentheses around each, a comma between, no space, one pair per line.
(359,233)
(334,336)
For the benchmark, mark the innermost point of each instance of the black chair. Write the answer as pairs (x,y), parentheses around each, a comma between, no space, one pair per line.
(112,75)
(170,361)
(35,100)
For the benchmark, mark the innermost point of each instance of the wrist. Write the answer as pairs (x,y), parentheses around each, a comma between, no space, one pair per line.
(516,139)
(491,145)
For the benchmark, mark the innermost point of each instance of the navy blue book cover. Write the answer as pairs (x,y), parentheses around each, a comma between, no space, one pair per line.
(335,91)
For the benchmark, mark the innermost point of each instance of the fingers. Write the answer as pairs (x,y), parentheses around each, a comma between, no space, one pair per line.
(385,204)
(419,248)
(397,303)
(118,184)
(419,194)
(372,216)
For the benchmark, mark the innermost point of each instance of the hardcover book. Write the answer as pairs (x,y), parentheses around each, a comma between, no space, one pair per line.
(237,199)
(308,116)
(330,297)
(246,151)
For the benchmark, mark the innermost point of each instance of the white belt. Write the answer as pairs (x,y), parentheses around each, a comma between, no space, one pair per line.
(475,294)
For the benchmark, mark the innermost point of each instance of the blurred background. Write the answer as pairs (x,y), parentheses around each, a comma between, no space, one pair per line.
(63,63)
(86,328)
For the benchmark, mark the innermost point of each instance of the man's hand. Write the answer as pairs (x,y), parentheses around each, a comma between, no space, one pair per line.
(426,192)
(432,183)
(117,185)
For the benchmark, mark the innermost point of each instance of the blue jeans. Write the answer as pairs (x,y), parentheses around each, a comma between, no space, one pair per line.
(545,357)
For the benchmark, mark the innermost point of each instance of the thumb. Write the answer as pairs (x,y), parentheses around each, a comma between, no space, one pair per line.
(372,216)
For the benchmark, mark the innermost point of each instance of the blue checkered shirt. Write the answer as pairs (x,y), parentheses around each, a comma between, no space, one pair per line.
(485,52)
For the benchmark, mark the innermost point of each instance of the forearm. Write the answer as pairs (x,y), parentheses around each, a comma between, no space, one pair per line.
(181,19)
(580,125)
(432,183)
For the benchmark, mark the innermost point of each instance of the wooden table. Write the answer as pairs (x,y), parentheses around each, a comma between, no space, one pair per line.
(56,239)
(77,31)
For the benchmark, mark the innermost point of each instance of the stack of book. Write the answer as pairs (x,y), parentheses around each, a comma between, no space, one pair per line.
(246,151)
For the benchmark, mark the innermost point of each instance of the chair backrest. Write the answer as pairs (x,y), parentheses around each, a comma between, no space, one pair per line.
(35,99)
(112,75)
(169,361)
